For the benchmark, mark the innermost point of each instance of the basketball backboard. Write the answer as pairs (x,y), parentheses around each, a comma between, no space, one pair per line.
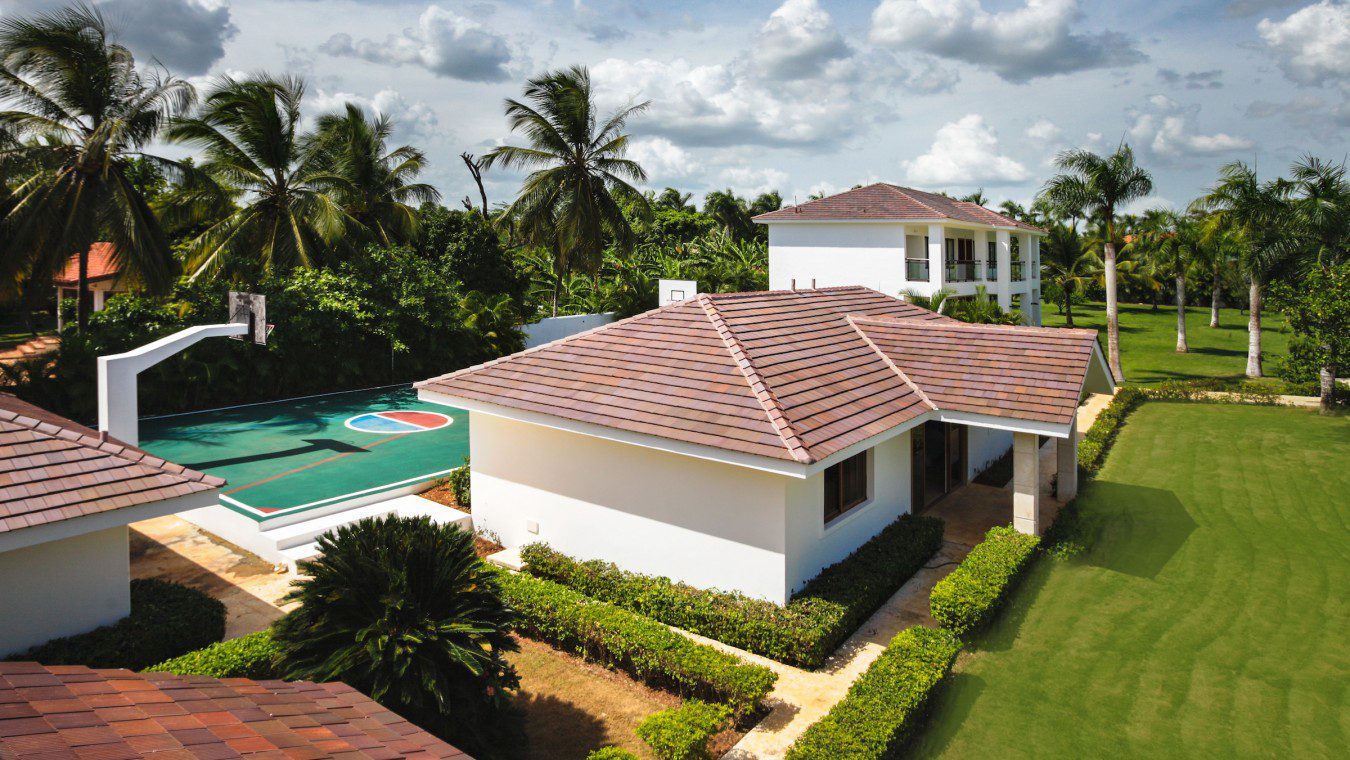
(674,291)
(250,309)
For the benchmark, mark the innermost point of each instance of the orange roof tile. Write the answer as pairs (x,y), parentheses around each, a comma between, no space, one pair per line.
(882,201)
(102,265)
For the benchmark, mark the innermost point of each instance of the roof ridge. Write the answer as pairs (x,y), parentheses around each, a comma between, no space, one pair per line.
(959,325)
(868,340)
(772,407)
(908,193)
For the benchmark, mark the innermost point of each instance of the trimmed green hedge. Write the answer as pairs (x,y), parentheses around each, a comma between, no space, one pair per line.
(682,733)
(805,632)
(250,656)
(166,620)
(966,598)
(886,703)
(637,645)
(611,753)
(1098,438)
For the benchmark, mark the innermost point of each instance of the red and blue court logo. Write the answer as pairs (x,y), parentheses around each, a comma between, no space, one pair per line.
(398,422)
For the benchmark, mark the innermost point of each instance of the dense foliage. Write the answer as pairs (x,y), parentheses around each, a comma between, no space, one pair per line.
(886,703)
(1318,310)
(682,733)
(969,596)
(804,632)
(638,645)
(166,620)
(250,656)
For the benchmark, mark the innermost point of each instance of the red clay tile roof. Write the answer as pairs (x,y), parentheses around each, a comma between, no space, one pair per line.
(52,469)
(70,711)
(886,202)
(782,374)
(102,265)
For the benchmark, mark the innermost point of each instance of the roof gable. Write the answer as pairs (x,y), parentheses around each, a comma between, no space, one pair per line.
(882,201)
(102,264)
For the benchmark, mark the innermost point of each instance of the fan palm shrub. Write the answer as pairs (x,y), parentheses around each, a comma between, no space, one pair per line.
(1067,264)
(402,609)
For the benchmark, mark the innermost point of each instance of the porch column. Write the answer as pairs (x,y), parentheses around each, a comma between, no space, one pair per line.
(1003,251)
(981,249)
(1026,484)
(1066,464)
(60,317)
(936,265)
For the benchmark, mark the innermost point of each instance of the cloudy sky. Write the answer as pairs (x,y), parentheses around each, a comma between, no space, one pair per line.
(809,95)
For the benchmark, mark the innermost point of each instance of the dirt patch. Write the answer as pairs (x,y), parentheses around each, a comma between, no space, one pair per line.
(442,493)
(485,548)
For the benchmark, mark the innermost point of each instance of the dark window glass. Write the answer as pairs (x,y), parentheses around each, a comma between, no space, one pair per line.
(845,485)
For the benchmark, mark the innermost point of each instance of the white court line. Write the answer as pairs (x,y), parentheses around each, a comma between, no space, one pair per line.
(275,401)
(340,497)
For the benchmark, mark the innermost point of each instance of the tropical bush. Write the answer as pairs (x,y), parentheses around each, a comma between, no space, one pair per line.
(804,632)
(968,597)
(251,656)
(637,645)
(403,610)
(166,620)
(886,703)
(682,733)
(458,480)
(611,753)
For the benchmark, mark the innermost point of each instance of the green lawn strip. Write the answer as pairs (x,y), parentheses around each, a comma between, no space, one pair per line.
(1206,616)
(1148,340)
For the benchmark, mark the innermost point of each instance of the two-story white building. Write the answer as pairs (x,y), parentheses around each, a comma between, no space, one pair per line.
(899,240)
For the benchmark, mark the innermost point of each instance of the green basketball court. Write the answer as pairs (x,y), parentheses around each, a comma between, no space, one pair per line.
(297,454)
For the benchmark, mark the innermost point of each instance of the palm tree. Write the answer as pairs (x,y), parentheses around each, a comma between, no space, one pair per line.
(978,197)
(980,309)
(935,302)
(731,213)
(1174,245)
(1259,215)
(674,200)
(1067,264)
(1099,186)
(1216,255)
(254,151)
(83,111)
(570,202)
(377,189)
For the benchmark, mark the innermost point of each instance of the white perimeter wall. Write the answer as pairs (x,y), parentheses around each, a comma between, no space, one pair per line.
(553,328)
(872,255)
(984,446)
(63,587)
(813,546)
(708,524)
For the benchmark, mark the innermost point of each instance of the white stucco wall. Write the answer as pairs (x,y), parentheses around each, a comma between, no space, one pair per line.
(706,523)
(835,254)
(63,587)
(984,445)
(812,545)
(550,329)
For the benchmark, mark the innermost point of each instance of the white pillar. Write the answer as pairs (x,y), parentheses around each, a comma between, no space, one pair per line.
(60,316)
(1066,464)
(935,260)
(1003,246)
(1026,484)
(981,246)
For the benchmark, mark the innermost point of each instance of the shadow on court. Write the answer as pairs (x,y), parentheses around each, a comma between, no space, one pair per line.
(315,445)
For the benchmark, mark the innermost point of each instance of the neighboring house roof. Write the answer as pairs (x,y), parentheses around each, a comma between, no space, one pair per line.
(886,202)
(52,469)
(795,375)
(102,265)
(73,711)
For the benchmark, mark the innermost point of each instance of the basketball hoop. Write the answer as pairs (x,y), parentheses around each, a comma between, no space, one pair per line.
(250,309)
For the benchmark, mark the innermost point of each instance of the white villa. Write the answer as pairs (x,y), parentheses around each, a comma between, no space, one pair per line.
(897,240)
(746,441)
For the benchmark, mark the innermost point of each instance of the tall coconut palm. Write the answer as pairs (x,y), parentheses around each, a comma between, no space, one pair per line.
(1067,264)
(288,211)
(1215,257)
(1259,214)
(570,202)
(377,191)
(1100,186)
(1174,245)
(82,110)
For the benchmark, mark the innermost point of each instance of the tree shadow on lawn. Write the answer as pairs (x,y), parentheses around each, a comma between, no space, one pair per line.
(949,707)
(546,726)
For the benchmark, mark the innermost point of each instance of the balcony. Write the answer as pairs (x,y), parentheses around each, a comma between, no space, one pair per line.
(963,271)
(991,270)
(916,270)
(1018,272)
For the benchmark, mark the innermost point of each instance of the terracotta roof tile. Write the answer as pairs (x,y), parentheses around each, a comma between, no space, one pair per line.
(882,201)
(102,264)
(53,469)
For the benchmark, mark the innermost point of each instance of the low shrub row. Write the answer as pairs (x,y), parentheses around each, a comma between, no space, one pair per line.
(635,644)
(803,633)
(166,620)
(886,703)
(968,597)
(250,656)
(682,733)
(1098,438)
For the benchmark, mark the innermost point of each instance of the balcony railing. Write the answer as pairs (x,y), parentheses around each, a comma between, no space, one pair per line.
(1018,273)
(991,270)
(963,271)
(916,270)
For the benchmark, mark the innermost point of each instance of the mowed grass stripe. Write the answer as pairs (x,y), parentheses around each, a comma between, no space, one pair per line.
(1207,618)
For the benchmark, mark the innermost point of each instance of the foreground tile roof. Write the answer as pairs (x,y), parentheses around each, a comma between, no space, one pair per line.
(70,711)
(794,375)
(886,202)
(102,265)
(52,469)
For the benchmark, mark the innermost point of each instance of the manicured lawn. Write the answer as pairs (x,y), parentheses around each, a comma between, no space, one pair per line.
(1148,340)
(1208,617)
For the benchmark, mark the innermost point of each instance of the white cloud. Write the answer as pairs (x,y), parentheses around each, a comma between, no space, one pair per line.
(1020,44)
(443,42)
(1044,132)
(964,153)
(751,181)
(663,160)
(1167,128)
(797,41)
(413,119)
(1312,45)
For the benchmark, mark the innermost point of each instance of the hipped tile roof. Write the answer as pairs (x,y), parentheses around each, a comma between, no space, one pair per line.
(794,375)
(882,201)
(102,265)
(53,469)
(70,711)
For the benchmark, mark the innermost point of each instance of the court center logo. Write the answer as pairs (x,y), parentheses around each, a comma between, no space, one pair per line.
(398,422)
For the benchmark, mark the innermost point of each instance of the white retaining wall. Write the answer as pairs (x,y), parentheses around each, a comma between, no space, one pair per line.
(553,328)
